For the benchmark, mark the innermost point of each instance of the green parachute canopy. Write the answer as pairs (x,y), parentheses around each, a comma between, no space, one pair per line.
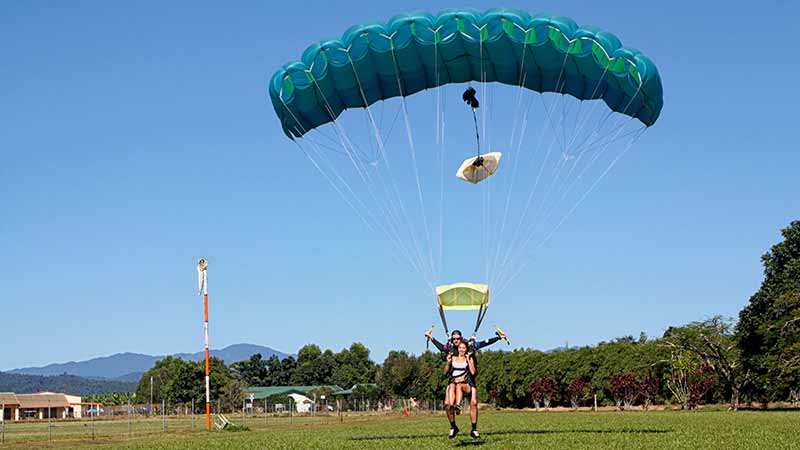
(419,51)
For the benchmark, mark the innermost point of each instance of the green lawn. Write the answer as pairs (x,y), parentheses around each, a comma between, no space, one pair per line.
(501,430)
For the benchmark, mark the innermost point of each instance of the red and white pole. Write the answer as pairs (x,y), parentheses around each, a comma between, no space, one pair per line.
(202,280)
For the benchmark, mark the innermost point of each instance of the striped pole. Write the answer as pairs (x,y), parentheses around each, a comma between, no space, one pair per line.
(202,272)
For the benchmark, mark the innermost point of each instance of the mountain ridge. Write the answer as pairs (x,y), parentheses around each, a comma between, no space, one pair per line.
(125,366)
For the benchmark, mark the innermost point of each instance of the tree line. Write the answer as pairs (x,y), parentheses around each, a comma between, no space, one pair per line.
(72,384)
(714,360)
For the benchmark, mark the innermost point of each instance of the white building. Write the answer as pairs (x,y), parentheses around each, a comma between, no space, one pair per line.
(302,403)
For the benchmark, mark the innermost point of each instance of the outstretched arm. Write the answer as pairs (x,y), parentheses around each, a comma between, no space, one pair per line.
(486,342)
(442,348)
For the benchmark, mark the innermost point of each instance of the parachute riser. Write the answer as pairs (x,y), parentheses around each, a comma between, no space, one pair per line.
(444,322)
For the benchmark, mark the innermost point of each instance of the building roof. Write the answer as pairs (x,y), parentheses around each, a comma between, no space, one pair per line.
(8,398)
(354,388)
(43,401)
(262,392)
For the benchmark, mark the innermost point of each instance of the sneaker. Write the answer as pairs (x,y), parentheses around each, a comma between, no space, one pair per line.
(453,432)
(474,434)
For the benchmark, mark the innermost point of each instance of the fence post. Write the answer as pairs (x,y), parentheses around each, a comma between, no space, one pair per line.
(49,424)
(3,424)
(96,408)
(129,419)
(265,411)
(192,414)
(163,415)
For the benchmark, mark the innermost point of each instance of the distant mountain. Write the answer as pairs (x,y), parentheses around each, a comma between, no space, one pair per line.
(128,367)
(71,384)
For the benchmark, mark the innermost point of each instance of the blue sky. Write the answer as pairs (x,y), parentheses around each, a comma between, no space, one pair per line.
(138,137)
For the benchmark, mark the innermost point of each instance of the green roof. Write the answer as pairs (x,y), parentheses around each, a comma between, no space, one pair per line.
(262,392)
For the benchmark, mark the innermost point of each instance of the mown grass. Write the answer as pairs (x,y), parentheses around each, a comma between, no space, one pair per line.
(501,430)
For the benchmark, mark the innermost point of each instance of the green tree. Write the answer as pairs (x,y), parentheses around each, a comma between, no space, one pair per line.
(769,326)
(398,374)
(309,366)
(714,343)
(253,371)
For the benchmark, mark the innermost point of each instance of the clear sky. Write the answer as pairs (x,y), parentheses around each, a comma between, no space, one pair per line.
(136,137)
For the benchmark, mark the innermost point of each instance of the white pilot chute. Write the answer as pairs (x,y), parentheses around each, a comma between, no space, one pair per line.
(479,168)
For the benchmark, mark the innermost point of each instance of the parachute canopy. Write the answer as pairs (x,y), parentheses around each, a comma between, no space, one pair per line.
(479,168)
(418,51)
(463,296)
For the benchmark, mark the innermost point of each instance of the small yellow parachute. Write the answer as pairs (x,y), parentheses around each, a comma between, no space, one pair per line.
(463,296)
(479,168)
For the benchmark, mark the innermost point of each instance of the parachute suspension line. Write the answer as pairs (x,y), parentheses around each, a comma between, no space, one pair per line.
(580,125)
(382,147)
(520,81)
(390,231)
(510,188)
(618,129)
(594,184)
(412,148)
(363,173)
(507,281)
(391,219)
(352,204)
(440,128)
(566,192)
(393,238)
(533,191)
(334,185)
(517,158)
(484,203)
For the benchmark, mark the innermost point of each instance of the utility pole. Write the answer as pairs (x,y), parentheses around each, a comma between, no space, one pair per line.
(202,289)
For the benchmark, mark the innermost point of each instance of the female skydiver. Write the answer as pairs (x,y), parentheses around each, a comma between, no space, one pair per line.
(460,369)
(450,347)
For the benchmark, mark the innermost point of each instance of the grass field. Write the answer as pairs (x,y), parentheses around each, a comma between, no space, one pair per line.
(501,430)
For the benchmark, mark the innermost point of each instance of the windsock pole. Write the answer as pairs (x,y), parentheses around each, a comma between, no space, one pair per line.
(202,273)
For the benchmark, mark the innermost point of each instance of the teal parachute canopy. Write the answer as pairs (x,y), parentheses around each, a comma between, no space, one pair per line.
(419,51)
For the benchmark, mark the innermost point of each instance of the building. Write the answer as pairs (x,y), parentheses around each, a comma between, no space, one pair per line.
(10,406)
(299,395)
(41,405)
(302,404)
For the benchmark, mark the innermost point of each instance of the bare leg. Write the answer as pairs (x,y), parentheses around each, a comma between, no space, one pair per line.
(448,403)
(450,409)
(473,406)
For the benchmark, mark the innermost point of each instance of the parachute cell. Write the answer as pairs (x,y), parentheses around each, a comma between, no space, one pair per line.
(414,52)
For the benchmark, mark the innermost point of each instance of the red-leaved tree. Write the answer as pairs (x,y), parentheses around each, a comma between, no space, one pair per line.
(542,390)
(578,391)
(649,388)
(625,389)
